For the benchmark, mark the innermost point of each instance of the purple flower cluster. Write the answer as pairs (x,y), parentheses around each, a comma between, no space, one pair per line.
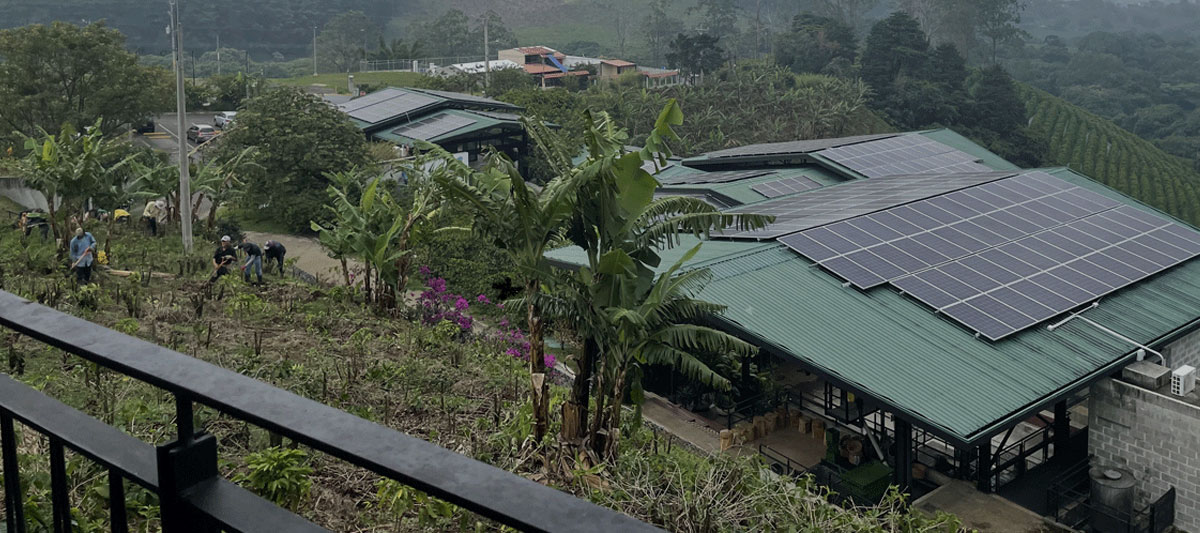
(437,303)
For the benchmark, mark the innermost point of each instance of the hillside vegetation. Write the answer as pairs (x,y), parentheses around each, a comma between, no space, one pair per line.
(1113,156)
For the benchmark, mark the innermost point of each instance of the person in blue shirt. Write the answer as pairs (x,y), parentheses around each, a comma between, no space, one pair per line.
(83,252)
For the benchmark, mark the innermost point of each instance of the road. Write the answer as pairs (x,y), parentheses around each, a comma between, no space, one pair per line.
(164,137)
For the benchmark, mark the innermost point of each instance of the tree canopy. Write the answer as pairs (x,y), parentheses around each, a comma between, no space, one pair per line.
(298,139)
(64,73)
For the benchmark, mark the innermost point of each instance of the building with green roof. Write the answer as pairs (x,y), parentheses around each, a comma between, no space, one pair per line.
(896,369)
(459,123)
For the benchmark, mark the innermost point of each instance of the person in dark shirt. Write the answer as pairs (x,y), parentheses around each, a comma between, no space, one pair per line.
(274,251)
(225,256)
(254,256)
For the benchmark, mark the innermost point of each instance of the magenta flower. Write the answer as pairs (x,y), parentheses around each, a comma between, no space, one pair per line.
(483,299)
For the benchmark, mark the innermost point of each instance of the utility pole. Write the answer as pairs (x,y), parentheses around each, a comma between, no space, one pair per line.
(314,50)
(218,54)
(487,57)
(185,181)
(246,77)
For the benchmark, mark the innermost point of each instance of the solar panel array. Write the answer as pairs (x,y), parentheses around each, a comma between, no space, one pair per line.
(851,199)
(719,201)
(399,103)
(434,126)
(698,177)
(793,147)
(906,154)
(784,187)
(1019,284)
(461,97)
(871,250)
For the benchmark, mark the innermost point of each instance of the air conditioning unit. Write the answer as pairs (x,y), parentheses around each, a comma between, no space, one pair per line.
(1183,380)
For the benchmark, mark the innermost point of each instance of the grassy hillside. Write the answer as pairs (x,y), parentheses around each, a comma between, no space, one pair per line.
(1102,150)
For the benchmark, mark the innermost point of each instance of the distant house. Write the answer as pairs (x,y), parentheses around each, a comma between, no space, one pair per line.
(547,65)
(612,68)
(462,124)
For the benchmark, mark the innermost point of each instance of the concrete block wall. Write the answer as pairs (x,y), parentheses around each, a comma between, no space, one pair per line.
(1185,351)
(1155,436)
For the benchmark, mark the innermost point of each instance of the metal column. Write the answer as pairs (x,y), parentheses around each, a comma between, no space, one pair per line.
(1062,431)
(902,475)
(984,482)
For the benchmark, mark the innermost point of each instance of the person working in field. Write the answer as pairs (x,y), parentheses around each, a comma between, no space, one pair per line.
(224,256)
(274,252)
(254,257)
(83,250)
(153,212)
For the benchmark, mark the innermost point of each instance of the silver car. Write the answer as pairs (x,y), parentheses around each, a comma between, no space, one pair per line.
(224,119)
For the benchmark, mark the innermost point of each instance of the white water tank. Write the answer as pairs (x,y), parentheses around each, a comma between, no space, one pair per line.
(1183,380)
(1112,499)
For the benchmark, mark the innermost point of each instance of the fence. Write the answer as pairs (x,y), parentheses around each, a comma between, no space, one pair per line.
(1069,501)
(406,65)
(183,473)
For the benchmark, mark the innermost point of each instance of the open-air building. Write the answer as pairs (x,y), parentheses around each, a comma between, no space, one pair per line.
(902,300)
(463,124)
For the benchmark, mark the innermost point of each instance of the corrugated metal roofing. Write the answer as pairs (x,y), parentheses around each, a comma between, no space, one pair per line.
(899,351)
(477,121)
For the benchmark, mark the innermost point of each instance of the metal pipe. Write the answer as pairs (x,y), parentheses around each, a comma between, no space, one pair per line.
(1142,348)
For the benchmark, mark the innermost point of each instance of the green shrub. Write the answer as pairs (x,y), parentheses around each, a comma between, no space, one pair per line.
(278,474)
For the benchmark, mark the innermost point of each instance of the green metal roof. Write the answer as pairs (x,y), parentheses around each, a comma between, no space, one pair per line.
(741,190)
(897,350)
(482,121)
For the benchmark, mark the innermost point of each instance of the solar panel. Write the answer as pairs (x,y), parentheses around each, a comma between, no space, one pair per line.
(794,147)
(398,104)
(463,97)
(1024,282)
(854,198)
(432,127)
(913,237)
(906,154)
(784,187)
(371,99)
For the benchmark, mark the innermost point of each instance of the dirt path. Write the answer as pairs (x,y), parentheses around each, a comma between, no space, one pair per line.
(310,256)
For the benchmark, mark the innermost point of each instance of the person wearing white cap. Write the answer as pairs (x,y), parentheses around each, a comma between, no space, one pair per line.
(225,255)
(154,213)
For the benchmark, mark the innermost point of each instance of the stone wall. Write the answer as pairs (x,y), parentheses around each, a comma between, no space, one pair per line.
(1185,351)
(1155,436)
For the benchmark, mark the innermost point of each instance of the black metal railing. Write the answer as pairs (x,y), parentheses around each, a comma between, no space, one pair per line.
(1012,460)
(1069,501)
(183,473)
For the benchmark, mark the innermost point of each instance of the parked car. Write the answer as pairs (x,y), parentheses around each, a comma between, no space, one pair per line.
(144,127)
(201,133)
(224,119)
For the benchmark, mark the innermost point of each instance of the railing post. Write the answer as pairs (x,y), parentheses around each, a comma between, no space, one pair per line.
(14,499)
(60,499)
(182,464)
(118,521)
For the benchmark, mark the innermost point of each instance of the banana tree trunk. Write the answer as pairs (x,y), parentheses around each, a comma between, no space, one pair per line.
(537,365)
(614,418)
(345,270)
(575,409)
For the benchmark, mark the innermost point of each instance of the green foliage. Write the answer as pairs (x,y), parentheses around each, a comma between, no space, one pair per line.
(343,41)
(281,475)
(695,54)
(457,37)
(297,139)
(63,73)
(816,44)
(1129,161)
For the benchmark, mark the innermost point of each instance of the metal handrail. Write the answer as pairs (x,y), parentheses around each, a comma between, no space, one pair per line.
(478,487)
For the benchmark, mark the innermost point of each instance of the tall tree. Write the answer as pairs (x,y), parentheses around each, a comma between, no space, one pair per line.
(343,41)
(51,75)
(850,12)
(815,42)
(718,18)
(298,140)
(895,47)
(997,105)
(659,27)
(996,21)
(695,54)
